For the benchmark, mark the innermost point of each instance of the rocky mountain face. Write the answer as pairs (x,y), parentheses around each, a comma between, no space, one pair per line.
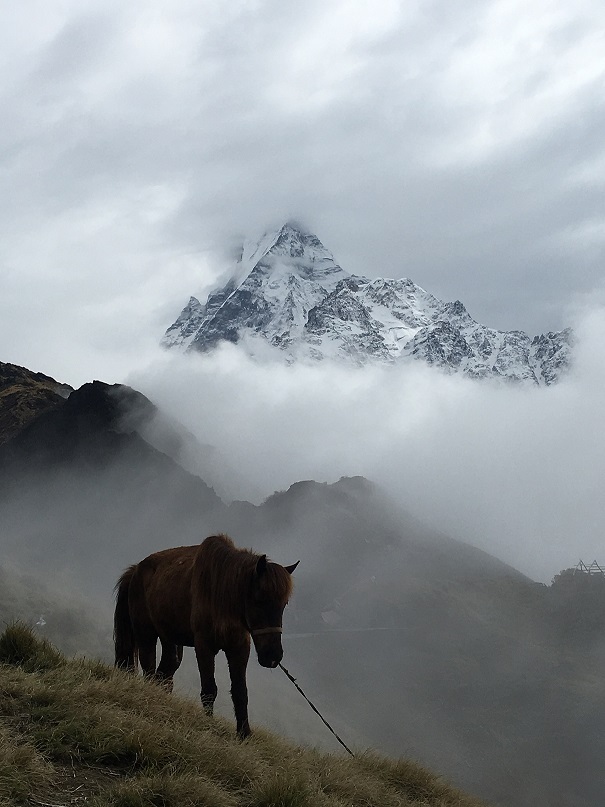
(288,290)
(24,395)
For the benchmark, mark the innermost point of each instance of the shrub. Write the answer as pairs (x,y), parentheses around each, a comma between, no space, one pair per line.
(20,647)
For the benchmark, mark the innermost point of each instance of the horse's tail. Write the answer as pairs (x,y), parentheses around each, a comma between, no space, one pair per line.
(126,654)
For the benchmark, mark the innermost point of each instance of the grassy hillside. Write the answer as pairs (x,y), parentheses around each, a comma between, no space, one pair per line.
(78,730)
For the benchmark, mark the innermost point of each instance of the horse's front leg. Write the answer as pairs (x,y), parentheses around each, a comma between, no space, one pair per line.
(237,659)
(205,655)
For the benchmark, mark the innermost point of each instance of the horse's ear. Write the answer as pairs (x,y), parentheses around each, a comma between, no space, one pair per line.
(290,569)
(261,566)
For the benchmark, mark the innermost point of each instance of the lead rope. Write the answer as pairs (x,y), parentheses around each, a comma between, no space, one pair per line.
(316,710)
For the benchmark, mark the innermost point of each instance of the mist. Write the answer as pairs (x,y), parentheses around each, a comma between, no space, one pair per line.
(512,469)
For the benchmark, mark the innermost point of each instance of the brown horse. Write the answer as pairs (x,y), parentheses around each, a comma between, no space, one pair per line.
(213,597)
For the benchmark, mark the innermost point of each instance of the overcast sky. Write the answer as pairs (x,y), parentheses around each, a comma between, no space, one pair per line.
(460,145)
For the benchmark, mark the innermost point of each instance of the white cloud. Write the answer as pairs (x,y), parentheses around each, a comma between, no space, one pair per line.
(323,55)
(519,70)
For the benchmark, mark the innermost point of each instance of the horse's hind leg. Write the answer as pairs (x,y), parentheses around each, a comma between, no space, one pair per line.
(147,655)
(170,661)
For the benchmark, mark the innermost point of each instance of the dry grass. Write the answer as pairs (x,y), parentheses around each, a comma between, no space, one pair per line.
(162,751)
(22,768)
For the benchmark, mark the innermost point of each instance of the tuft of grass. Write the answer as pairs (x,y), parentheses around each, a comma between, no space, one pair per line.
(165,790)
(22,768)
(342,780)
(414,782)
(20,647)
(281,789)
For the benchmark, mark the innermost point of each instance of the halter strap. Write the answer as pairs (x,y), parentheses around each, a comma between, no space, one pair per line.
(260,631)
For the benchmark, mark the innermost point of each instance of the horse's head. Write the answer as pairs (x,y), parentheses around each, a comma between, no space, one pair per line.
(270,589)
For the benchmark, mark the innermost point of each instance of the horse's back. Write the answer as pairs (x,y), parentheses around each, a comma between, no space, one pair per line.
(174,556)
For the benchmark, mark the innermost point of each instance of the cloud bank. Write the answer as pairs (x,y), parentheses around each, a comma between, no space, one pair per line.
(514,470)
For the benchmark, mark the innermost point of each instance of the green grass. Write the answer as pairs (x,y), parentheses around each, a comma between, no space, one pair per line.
(77,726)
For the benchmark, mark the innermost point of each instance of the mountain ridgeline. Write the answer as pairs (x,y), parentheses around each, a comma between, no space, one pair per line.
(288,291)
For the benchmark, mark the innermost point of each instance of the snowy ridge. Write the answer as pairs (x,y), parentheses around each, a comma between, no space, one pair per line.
(288,289)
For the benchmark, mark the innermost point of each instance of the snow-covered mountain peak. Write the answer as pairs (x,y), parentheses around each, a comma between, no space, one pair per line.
(456,312)
(294,251)
(288,289)
(254,251)
(291,249)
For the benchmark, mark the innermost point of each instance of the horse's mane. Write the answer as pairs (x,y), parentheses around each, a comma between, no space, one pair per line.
(223,575)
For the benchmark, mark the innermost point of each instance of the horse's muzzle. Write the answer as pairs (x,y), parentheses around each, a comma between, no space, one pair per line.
(267,642)
(269,657)
(268,649)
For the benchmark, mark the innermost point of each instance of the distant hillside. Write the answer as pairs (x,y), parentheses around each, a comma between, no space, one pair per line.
(24,395)
(80,483)
(80,731)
